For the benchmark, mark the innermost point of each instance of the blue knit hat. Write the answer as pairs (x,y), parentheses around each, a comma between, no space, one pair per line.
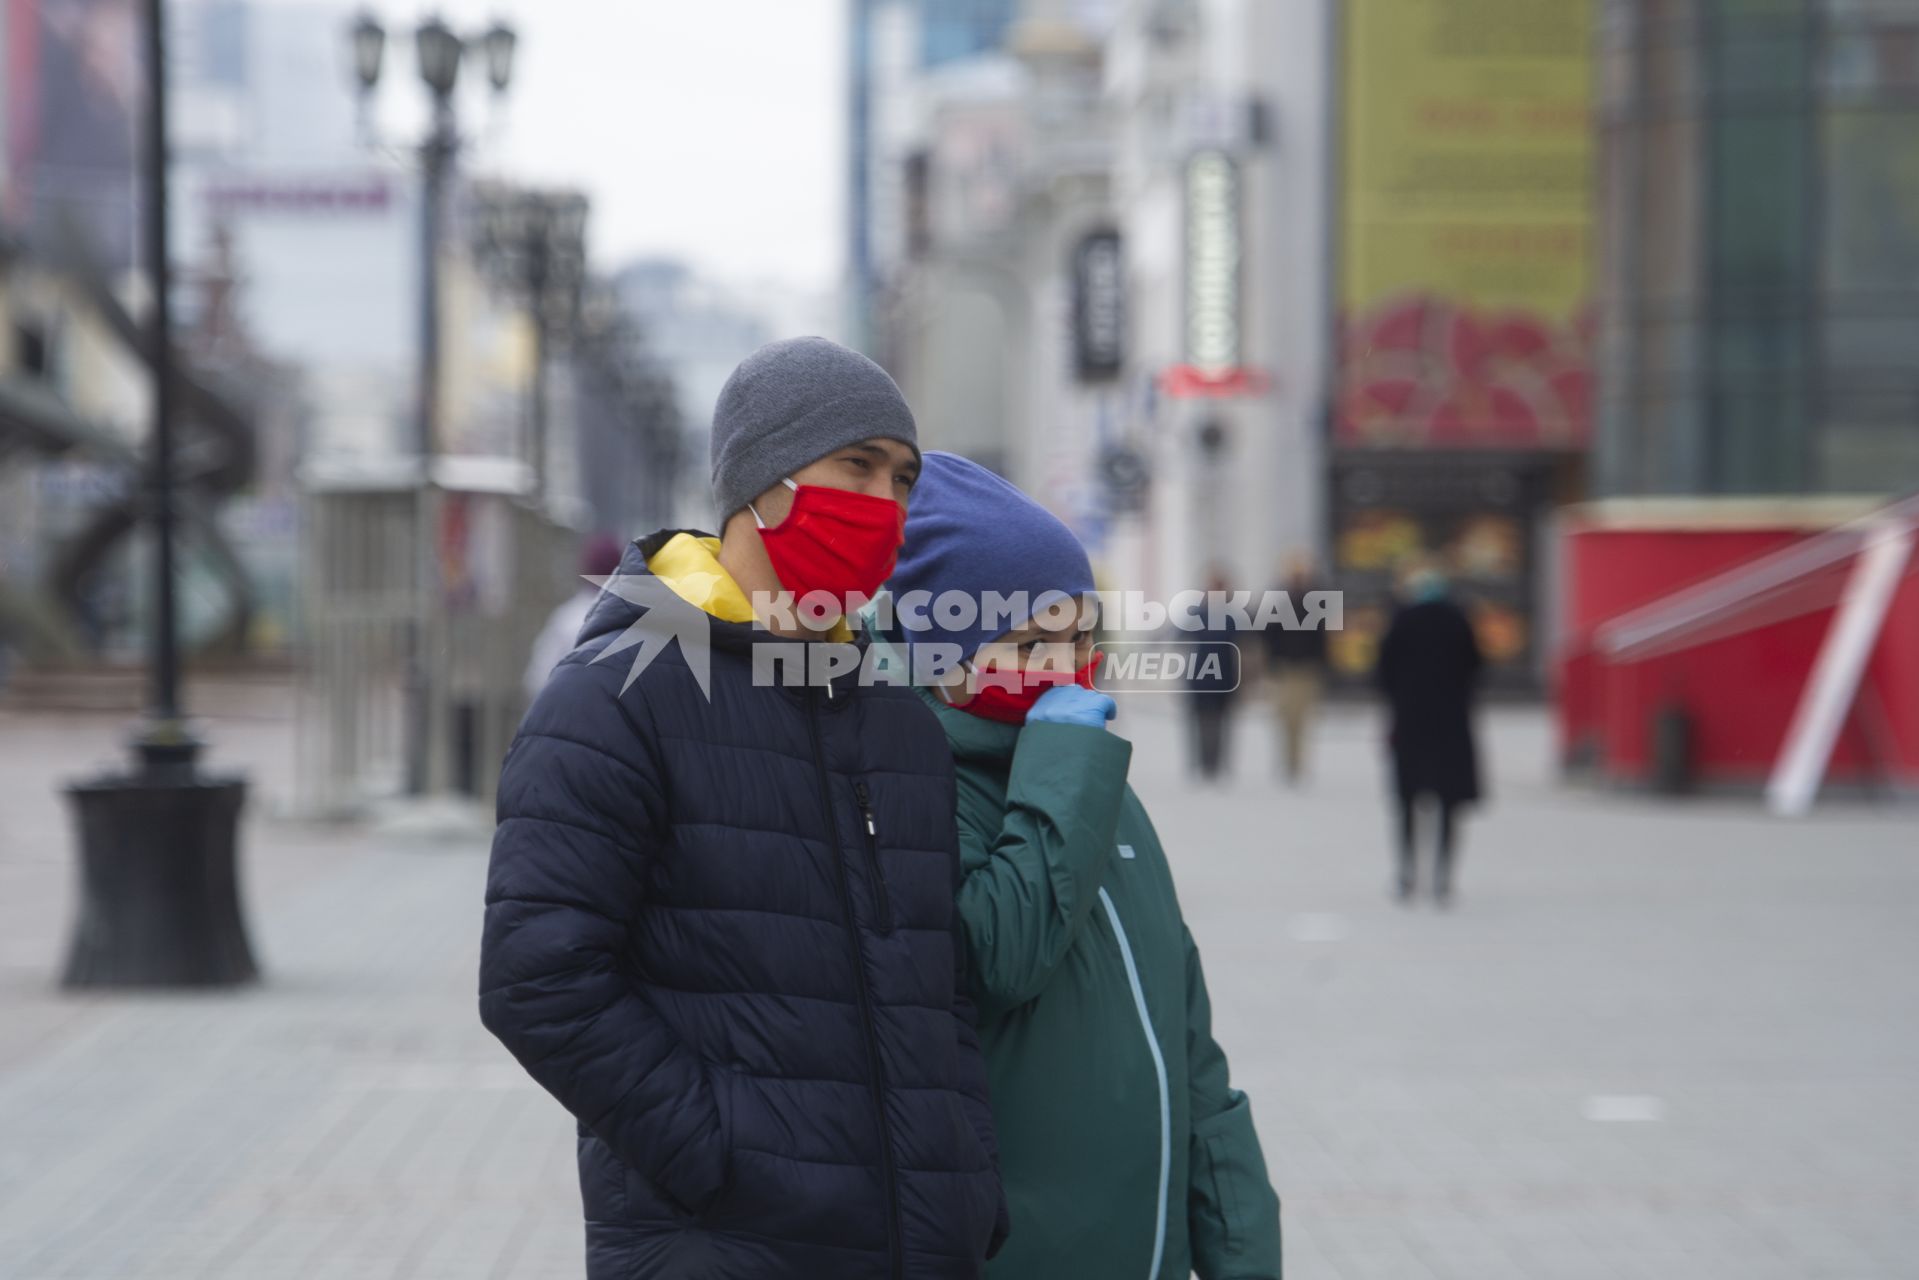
(968,530)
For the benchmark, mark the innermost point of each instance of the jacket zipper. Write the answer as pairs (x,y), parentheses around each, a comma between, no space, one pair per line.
(895,1253)
(882,901)
(1159,1070)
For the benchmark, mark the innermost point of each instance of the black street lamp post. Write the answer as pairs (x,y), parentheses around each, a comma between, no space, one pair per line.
(439,51)
(159,901)
(534,242)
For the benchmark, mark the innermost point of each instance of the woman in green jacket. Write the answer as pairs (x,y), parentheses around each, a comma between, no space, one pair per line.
(1125,1152)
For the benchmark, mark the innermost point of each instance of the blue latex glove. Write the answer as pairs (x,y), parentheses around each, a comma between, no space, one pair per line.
(1070,704)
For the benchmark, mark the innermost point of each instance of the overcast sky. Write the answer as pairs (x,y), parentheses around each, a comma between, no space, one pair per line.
(707,129)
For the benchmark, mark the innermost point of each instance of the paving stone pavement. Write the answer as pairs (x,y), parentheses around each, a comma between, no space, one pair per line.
(1651,1040)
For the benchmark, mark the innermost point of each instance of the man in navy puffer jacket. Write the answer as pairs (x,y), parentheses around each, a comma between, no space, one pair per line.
(720,924)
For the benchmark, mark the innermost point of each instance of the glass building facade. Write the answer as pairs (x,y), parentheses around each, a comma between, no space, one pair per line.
(1759,274)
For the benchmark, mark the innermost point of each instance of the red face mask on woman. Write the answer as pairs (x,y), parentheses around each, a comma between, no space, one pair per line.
(994,699)
(834,540)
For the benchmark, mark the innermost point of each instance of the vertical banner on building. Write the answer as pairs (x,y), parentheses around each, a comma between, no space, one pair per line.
(1212,264)
(1099,307)
(73,85)
(1464,287)
(1214,350)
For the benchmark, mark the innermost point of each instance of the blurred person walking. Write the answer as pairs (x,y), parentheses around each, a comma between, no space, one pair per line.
(1296,670)
(599,558)
(1212,686)
(720,925)
(1428,669)
(1125,1149)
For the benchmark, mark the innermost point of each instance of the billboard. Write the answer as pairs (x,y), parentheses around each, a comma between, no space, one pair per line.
(1463,288)
(73,86)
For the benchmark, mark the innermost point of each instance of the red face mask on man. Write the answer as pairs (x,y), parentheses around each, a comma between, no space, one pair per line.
(834,540)
(1007,696)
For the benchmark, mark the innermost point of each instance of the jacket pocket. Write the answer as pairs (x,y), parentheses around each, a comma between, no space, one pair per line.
(648,1200)
(882,900)
(720,1082)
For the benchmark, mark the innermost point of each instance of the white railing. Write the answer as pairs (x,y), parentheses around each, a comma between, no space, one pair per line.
(420,605)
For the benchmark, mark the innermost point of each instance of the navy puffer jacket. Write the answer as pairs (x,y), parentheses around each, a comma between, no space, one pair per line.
(722,934)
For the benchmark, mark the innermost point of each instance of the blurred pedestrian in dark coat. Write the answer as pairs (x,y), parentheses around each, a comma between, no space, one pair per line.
(1428,669)
(1296,670)
(1212,679)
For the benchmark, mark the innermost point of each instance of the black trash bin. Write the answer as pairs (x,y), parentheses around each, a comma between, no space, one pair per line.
(160,891)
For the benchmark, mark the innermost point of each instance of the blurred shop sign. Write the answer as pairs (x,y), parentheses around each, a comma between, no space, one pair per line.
(1212,262)
(1185,382)
(1214,346)
(304,196)
(1099,307)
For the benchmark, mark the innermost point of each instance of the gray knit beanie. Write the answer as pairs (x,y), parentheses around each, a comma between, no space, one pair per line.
(790,404)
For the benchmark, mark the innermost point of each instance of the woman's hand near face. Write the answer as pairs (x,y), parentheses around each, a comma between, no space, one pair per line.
(1070,704)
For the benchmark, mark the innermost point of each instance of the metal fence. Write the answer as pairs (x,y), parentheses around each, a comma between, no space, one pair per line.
(420,606)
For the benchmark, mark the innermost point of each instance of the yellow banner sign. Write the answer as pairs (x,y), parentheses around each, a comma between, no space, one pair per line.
(1466,196)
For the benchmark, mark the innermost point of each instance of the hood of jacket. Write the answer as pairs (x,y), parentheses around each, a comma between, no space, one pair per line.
(685,563)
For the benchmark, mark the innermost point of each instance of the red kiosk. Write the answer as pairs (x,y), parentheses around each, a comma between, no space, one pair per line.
(1742,644)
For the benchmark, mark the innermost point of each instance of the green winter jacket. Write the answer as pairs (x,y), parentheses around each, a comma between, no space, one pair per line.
(1125,1153)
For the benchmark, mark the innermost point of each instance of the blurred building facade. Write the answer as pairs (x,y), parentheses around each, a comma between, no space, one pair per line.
(296,232)
(1221,119)
(1027,204)
(889,43)
(1758,401)
(1351,322)
(269,158)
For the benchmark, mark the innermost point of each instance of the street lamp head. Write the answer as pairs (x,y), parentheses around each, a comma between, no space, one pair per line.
(369,50)
(498,45)
(440,51)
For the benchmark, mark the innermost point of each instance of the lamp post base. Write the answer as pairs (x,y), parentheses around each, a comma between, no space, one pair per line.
(160,899)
